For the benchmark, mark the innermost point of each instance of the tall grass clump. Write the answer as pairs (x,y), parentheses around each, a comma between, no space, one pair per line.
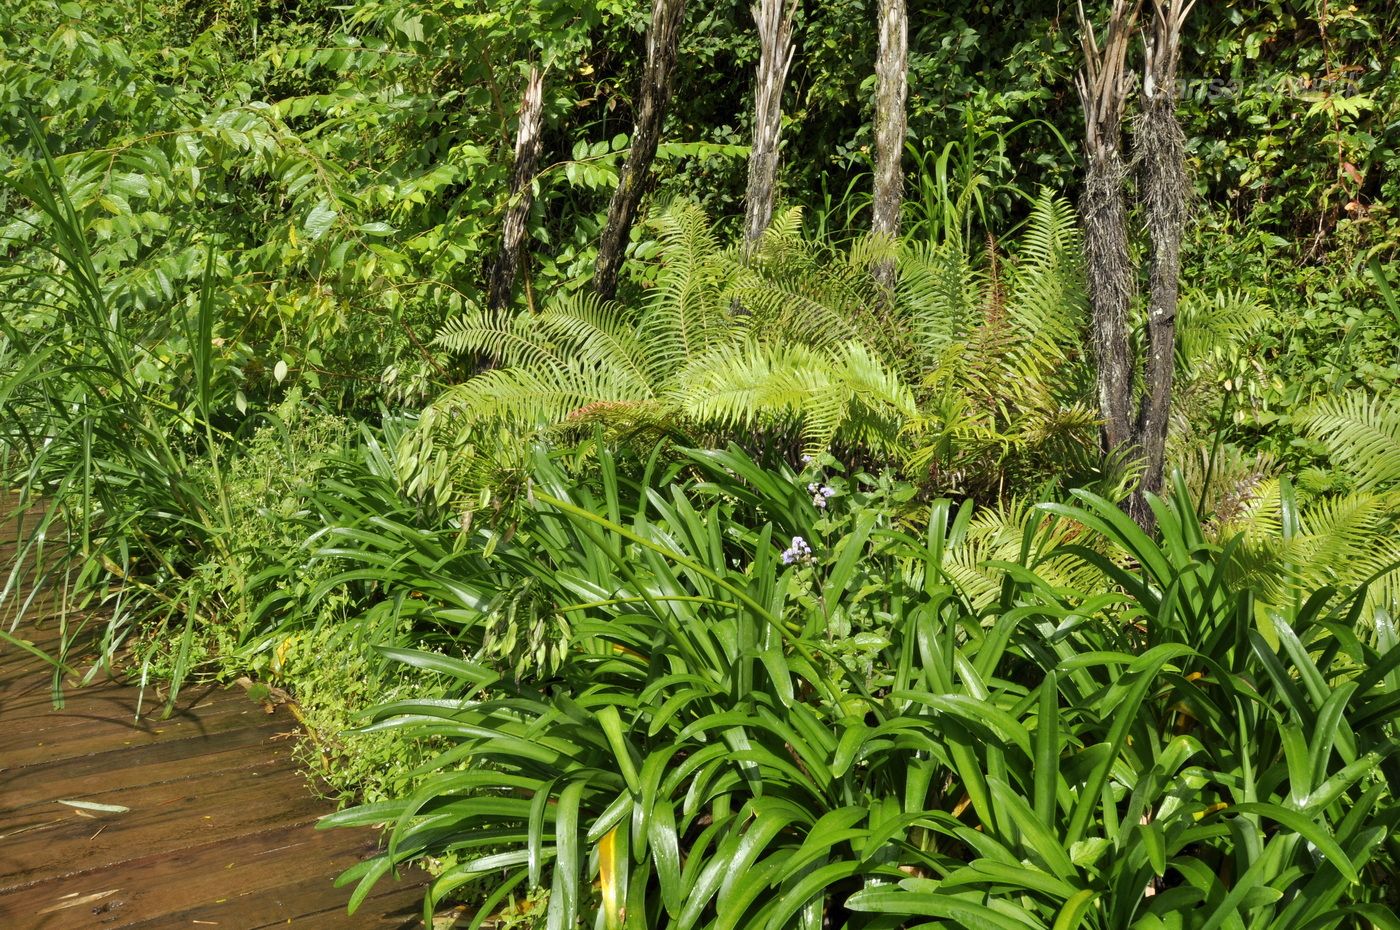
(120,446)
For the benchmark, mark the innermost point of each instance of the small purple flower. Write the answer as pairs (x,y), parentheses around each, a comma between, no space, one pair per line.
(799,551)
(821,493)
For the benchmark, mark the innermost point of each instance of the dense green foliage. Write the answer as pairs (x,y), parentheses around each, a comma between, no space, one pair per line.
(764,595)
(819,357)
(738,740)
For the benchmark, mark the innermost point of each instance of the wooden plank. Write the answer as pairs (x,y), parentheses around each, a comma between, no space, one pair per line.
(98,767)
(304,905)
(112,700)
(136,766)
(392,911)
(204,809)
(41,621)
(33,700)
(90,736)
(219,829)
(253,880)
(109,700)
(38,682)
(105,735)
(18,664)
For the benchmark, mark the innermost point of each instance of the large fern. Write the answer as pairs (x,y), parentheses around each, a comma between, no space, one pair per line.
(1291,544)
(686,312)
(971,366)
(1290,548)
(1006,386)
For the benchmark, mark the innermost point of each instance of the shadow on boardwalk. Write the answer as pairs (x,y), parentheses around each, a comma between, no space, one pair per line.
(219,824)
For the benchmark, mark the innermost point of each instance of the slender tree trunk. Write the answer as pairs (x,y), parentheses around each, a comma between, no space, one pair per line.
(1160,151)
(891,122)
(774,21)
(522,176)
(1104,86)
(1160,159)
(662,38)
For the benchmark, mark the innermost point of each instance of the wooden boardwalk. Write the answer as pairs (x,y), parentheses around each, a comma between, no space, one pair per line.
(219,829)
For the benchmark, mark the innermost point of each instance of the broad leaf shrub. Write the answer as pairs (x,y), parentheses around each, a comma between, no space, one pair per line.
(770,715)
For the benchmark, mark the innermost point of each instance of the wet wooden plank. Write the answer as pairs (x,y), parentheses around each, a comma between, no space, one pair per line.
(54,840)
(94,736)
(254,880)
(106,697)
(126,769)
(106,707)
(303,905)
(220,826)
(73,644)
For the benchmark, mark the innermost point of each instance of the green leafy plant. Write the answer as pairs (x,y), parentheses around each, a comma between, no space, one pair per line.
(969,373)
(118,460)
(1132,754)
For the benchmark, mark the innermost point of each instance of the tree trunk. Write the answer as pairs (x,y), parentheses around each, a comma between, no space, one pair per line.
(774,21)
(522,176)
(662,38)
(1160,152)
(891,121)
(1160,158)
(1104,86)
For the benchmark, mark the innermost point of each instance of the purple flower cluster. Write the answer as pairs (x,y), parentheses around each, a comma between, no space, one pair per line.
(821,493)
(799,551)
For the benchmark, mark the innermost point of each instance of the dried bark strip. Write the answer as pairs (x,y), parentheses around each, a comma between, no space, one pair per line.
(1159,147)
(1104,86)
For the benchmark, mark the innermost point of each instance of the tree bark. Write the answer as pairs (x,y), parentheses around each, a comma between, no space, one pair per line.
(522,176)
(774,20)
(1160,152)
(1159,156)
(662,37)
(1104,86)
(891,123)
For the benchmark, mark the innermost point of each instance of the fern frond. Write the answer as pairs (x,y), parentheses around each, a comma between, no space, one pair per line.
(1343,542)
(1051,234)
(847,392)
(1046,302)
(1362,435)
(869,250)
(786,224)
(1340,535)
(786,309)
(1208,323)
(530,399)
(508,338)
(598,333)
(687,311)
(939,293)
(997,534)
